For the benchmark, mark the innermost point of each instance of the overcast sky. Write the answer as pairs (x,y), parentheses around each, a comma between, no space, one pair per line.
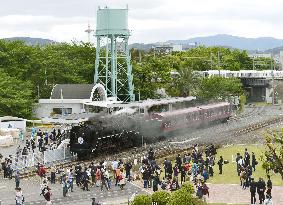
(149,20)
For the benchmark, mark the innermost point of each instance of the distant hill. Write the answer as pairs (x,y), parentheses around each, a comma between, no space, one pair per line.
(251,44)
(275,51)
(32,41)
(142,46)
(261,44)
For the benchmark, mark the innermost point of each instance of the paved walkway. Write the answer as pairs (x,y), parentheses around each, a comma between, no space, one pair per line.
(234,194)
(31,191)
(230,193)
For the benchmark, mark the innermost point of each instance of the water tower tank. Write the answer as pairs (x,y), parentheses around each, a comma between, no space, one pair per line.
(112,21)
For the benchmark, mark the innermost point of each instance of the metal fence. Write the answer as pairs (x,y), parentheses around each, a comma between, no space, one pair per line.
(48,158)
(51,156)
(24,162)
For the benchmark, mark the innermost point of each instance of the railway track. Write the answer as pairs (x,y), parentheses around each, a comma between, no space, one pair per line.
(163,149)
(253,112)
(257,126)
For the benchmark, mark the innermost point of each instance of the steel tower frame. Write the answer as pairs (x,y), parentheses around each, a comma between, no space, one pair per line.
(113,67)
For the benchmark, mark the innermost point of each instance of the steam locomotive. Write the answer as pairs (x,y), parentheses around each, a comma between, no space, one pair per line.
(106,132)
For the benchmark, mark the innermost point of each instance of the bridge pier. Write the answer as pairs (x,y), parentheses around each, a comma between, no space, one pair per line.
(261,90)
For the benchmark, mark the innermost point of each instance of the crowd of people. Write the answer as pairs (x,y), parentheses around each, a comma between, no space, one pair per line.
(43,140)
(246,165)
(84,176)
(6,166)
(196,166)
(37,142)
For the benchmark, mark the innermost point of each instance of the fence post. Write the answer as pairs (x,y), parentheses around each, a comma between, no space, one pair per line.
(32,160)
(44,158)
(64,153)
(54,153)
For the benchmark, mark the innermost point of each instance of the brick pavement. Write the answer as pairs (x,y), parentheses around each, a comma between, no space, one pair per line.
(31,191)
(234,194)
(230,193)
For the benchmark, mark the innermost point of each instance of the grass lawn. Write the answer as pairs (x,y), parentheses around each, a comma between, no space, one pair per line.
(230,176)
(225,204)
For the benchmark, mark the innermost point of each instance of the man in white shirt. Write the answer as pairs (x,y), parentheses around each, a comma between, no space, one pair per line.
(115,164)
(268,200)
(19,196)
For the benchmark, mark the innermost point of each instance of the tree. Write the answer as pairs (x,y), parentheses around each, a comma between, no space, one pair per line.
(274,153)
(186,84)
(263,63)
(214,58)
(15,96)
(219,88)
(150,76)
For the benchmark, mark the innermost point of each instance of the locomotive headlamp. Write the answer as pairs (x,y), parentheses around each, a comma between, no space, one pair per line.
(80,140)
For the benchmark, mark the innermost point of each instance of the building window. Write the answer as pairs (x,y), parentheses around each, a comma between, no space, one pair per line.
(66,111)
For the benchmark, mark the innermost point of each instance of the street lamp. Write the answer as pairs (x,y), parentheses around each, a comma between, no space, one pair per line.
(37,91)
(273,94)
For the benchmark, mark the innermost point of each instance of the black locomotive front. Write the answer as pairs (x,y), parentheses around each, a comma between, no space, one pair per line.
(82,139)
(105,134)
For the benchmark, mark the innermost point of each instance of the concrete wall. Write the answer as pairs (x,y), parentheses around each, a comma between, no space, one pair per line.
(268,95)
(15,124)
(45,109)
(265,93)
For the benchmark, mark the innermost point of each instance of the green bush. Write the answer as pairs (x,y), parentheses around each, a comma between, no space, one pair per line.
(142,200)
(187,186)
(180,197)
(197,201)
(161,197)
(243,101)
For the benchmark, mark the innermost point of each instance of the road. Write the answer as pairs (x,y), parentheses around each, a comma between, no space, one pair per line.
(31,191)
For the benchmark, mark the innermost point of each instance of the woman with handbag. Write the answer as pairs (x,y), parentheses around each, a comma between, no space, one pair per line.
(47,196)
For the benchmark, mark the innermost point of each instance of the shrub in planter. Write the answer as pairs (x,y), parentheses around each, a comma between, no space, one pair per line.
(142,200)
(189,187)
(160,197)
(180,197)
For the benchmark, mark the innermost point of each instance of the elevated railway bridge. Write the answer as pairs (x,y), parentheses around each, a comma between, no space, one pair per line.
(260,86)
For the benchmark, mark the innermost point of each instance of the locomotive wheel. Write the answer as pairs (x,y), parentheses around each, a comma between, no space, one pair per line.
(83,155)
(118,142)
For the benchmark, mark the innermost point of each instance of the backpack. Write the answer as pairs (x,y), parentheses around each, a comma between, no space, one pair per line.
(204,190)
(199,192)
(174,186)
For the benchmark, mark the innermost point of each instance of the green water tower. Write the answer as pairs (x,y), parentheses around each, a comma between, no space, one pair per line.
(113,67)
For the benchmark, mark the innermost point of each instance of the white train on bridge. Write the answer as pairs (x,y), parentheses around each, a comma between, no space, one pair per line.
(265,74)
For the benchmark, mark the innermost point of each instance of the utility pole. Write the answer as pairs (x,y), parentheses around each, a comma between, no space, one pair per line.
(218,61)
(273,91)
(62,103)
(211,66)
(37,92)
(45,72)
(88,31)
(140,56)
